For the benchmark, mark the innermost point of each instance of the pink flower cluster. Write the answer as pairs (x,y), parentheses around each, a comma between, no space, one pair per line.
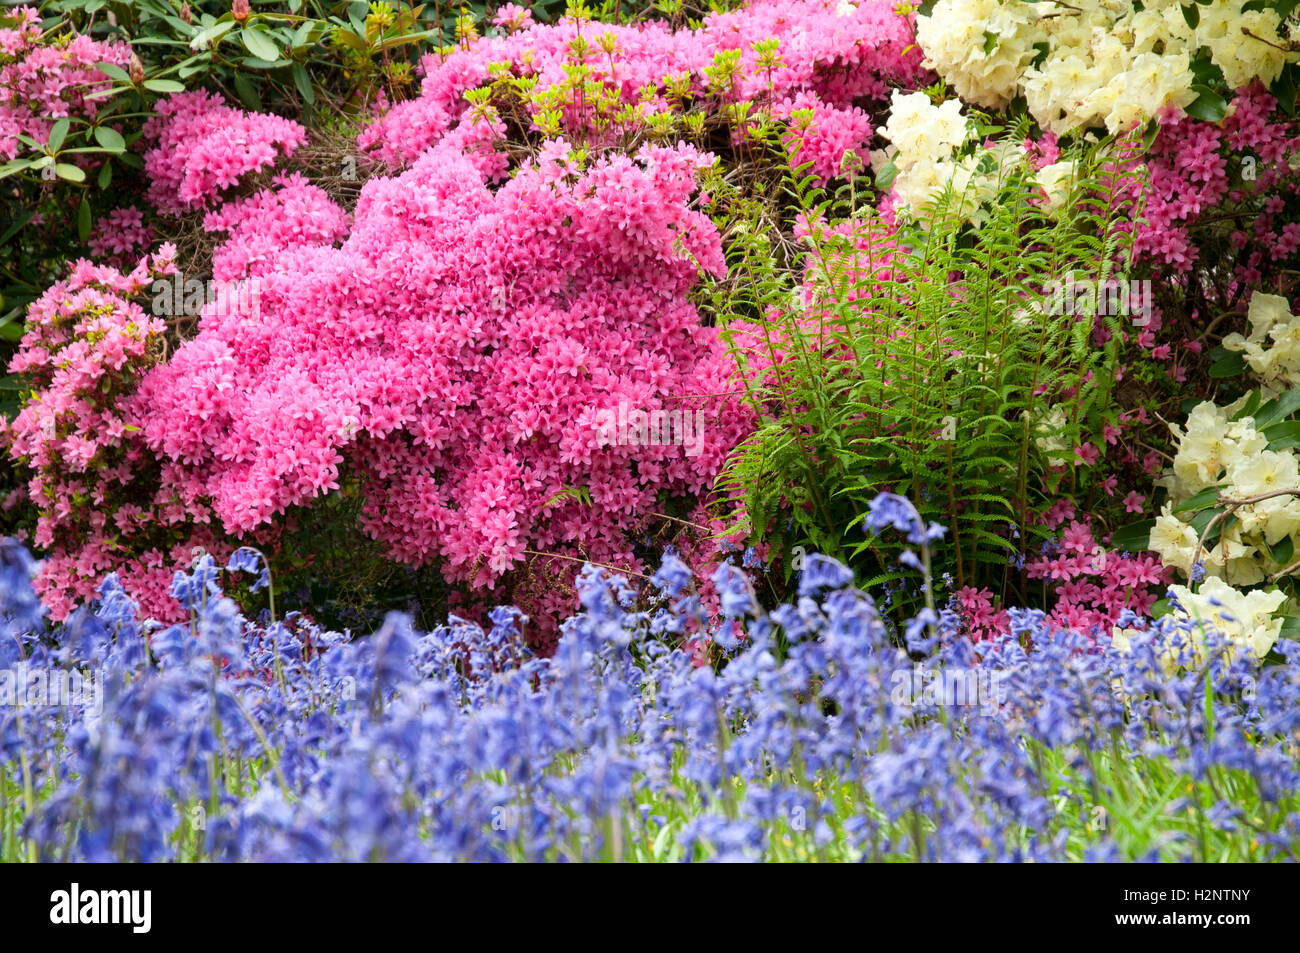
(121,235)
(293,213)
(101,507)
(461,357)
(199,147)
(1193,165)
(44,79)
(829,58)
(1092,587)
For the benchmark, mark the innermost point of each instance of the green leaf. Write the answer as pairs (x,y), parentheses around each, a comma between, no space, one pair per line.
(17,225)
(110,139)
(1192,15)
(1209,105)
(1290,627)
(1207,497)
(302,36)
(1286,87)
(303,81)
(164,86)
(212,35)
(350,39)
(247,92)
(1283,436)
(58,132)
(1278,409)
(113,71)
(259,44)
(1133,538)
(70,172)
(14,166)
(83,220)
(1251,407)
(1232,364)
(885,177)
(105,175)
(1283,551)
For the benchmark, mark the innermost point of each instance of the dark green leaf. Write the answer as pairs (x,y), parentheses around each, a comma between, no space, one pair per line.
(1283,436)
(83,220)
(303,81)
(1278,409)
(1209,105)
(1134,538)
(1207,497)
(247,92)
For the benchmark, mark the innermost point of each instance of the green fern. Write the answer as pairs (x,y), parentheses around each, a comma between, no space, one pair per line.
(878,369)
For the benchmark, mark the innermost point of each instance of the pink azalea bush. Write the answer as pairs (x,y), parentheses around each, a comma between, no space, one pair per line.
(103,504)
(459,355)
(458,346)
(47,78)
(199,147)
(831,56)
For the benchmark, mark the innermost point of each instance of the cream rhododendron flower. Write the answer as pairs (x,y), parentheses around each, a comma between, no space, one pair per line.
(924,142)
(1049,429)
(1095,62)
(1215,451)
(1272,350)
(1245,618)
(1056,180)
(1174,541)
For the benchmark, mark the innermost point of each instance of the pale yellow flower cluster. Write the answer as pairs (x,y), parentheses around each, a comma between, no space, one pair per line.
(1105,62)
(1231,455)
(924,142)
(924,138)
(1272,351)
(1246,618)
(1049,431)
